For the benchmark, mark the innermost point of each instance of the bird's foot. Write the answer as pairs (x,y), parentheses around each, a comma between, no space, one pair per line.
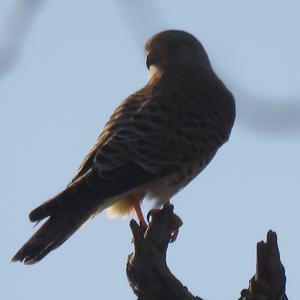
(175,221)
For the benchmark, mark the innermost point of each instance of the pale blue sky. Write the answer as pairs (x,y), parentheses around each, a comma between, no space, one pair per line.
(79,60)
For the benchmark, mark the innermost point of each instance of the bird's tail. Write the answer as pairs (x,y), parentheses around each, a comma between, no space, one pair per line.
(55,231)
(66,213)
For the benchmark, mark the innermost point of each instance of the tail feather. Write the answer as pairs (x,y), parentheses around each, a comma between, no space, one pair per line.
(66,212)
(54,232)
(91,189)
(80,193)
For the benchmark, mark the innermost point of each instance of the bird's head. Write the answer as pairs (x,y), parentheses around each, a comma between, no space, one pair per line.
(173,49)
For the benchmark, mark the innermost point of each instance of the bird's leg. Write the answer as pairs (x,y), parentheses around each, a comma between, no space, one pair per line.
(139,214)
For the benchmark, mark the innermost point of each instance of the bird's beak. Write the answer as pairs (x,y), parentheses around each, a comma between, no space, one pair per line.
(149,60)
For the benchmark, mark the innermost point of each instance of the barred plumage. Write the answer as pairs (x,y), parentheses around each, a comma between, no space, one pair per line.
(155,143)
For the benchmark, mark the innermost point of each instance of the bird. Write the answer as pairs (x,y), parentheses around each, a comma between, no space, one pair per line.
(155,142)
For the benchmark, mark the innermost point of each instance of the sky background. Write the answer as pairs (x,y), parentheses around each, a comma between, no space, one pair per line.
(65,66)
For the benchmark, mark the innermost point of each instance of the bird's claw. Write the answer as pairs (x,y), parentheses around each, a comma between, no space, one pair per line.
(177,222)
(150,213)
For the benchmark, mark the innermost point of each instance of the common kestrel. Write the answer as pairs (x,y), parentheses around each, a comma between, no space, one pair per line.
(156,141)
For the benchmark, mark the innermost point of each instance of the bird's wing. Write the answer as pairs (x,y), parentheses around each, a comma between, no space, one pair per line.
(126,155)
(160,130)
(121,117)
(88,193)
(151,134)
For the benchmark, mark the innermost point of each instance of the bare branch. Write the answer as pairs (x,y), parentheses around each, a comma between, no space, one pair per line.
(269,280)
(147,270)
(15,32)
(151,279)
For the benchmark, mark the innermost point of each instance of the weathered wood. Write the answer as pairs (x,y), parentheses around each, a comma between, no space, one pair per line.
(147,270)
(151,279)
(269,281)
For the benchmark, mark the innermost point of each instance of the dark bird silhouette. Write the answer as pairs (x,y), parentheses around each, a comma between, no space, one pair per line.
(154,144)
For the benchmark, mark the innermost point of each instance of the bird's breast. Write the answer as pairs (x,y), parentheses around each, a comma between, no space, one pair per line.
(164,188)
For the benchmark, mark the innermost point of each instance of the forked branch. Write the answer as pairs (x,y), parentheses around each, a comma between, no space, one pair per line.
(151,279)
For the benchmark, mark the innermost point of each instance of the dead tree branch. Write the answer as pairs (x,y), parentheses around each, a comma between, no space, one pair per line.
(151,279)
(269,281)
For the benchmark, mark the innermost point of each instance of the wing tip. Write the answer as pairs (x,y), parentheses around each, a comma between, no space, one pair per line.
(38,214)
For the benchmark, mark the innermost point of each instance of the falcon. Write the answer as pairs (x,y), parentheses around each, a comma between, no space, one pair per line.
(156,141)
